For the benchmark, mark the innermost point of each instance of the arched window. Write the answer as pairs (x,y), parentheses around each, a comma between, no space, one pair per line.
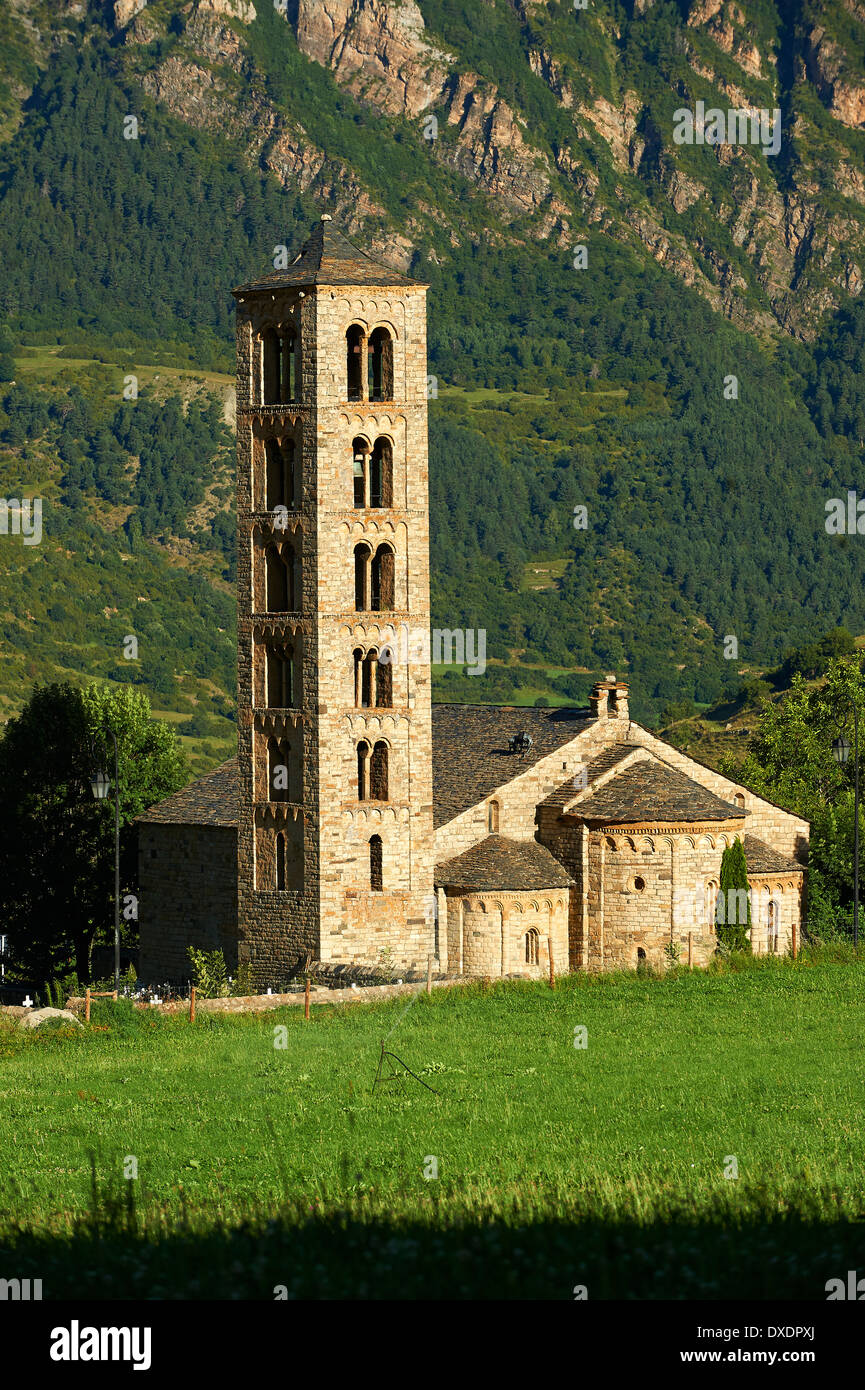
(739,799)
(533,946)
(271,347)
(280,677)
(380,365)
(381,474)
(360,460)
(378,789)
(362,555)
(279,864)
(280,580)
(384,679)
(772,923)
(382,580)
(363,770)
(710,907)
(280,468)
(278,754)
(289,365)
(376,865)
(493,821)
(279,348)
(355,343)
(369,682)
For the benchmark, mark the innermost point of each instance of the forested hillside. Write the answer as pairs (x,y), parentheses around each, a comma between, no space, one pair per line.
(694,381)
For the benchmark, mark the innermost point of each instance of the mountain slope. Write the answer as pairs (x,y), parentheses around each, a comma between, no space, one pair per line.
(474,145)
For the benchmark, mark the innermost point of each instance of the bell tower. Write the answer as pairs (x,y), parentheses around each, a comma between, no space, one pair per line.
(335,831)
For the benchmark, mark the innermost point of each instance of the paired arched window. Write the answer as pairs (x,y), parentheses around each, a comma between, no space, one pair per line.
(373,473)
(372,771)
(376,864)
(282,572)
(281,480)
(280,360)
(374,576)
(533,946)
(369,364)
(278,754)
(373,681)
(280,677)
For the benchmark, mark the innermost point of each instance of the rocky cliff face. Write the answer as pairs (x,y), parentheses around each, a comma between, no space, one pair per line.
(565,127)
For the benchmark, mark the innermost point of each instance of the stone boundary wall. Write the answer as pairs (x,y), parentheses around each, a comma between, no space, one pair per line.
(259,1003)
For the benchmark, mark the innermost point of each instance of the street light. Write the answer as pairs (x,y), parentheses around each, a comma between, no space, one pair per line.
(100,784)
(841,754)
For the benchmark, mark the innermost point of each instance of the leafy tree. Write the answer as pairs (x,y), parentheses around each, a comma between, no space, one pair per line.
(791,761)
(56,840)
(733,900)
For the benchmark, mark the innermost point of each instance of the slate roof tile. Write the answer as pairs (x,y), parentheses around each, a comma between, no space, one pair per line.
(327,257)
(652,791)
(499,864)
(763,859)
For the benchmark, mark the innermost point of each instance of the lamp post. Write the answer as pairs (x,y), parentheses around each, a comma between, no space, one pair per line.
(841,754)
(100,785)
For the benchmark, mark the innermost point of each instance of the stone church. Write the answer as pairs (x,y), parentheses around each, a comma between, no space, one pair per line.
(359,822)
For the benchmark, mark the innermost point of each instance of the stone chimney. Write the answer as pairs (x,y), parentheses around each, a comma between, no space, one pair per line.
(609,700)
(598,700)
(619,701)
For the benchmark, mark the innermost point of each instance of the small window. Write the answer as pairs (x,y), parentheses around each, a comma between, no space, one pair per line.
(533,946)
(376,865)
(494,818)
(280,863)
(638,884)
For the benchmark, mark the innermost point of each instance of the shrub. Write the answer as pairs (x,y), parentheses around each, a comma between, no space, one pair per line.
(209,973)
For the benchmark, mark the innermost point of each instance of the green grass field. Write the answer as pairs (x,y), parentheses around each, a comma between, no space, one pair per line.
(557,1166)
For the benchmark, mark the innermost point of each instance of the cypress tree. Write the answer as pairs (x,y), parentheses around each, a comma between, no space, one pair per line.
(734,932)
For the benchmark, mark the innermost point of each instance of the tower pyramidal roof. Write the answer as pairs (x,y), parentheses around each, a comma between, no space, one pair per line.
(327,257)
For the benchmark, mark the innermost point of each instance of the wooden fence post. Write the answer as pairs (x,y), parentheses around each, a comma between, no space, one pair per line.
(795,942)
(429,974)
(87,1004)
(306,1000)
(552,965)
(690,949)
(192,1004)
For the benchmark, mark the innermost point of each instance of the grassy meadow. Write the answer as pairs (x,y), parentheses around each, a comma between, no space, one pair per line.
(262,1166)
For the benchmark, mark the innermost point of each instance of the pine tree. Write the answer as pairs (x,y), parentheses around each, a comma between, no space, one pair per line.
(732,907)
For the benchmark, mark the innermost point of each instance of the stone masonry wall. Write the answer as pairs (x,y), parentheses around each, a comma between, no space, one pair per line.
(187,896)
(487,932)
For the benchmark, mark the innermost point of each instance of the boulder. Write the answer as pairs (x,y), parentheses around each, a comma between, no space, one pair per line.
(34,1017)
